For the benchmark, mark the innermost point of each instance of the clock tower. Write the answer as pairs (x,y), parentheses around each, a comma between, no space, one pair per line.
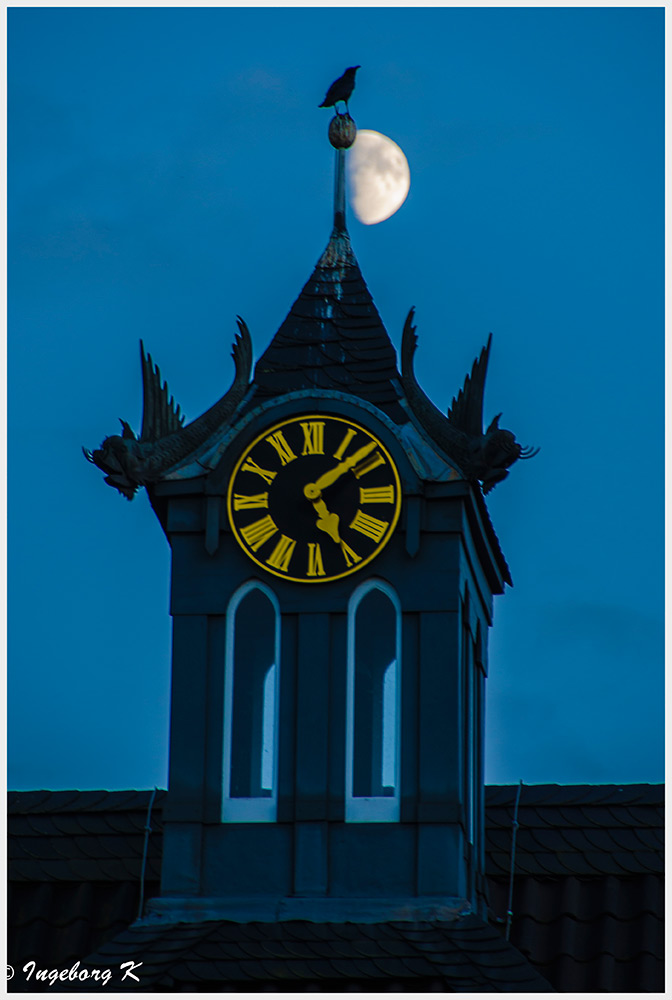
(333,573)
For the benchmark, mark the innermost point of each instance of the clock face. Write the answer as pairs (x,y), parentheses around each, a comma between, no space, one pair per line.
(314,498)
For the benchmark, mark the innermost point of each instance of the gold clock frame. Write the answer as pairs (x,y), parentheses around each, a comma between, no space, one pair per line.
(278,426)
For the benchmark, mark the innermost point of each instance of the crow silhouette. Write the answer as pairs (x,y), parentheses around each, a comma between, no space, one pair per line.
(341,90)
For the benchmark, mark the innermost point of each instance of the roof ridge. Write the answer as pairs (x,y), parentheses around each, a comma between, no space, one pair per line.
(635,793)
(19,801)
(117,800)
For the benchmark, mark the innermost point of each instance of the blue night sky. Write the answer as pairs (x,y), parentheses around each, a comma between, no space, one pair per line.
(169,168)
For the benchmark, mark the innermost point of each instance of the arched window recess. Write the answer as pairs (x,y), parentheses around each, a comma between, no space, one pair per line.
(251,706)
(373,705)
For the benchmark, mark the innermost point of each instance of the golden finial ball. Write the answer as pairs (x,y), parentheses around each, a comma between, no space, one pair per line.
(342,131)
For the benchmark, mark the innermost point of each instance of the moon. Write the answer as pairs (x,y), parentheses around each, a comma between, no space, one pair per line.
(378,175)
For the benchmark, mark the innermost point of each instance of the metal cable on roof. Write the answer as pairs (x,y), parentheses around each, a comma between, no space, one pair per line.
(509,911)
(145,850)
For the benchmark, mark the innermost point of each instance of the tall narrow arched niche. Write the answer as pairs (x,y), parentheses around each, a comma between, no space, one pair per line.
(373,705)
(251,702)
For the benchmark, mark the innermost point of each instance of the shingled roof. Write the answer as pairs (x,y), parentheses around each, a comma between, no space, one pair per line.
(588,900)
(580,830)
(333,338)
(464,955)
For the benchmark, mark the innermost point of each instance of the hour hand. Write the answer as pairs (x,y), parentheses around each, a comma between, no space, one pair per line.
(326,521)
(314,490)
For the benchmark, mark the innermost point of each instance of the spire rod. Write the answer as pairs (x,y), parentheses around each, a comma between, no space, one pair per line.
(339,191)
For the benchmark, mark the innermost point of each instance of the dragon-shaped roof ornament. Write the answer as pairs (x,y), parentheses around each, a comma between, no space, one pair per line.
(164,441)
(482,457)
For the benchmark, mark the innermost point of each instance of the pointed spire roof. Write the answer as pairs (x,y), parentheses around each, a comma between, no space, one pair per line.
(333,338)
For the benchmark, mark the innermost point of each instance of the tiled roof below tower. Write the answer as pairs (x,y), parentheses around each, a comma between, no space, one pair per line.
(588,900)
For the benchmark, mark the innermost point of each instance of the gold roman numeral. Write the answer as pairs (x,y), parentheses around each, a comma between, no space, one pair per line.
(370,462)
(369,526)
(282,553)
(313,437)
(376,494)
(242,502)
(249,465)
(315,567)
(258,532)
(351,557)
(349,435)
(279,443)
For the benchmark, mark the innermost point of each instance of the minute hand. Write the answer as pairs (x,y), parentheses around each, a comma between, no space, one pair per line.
(333,474)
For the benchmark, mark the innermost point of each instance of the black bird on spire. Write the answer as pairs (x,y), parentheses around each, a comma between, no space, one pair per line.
(341,90)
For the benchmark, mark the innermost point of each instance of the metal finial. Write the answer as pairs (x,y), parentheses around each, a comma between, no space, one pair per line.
(342,134)
(342,131)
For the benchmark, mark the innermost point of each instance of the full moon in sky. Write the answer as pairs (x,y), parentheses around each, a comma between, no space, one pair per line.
(378,175)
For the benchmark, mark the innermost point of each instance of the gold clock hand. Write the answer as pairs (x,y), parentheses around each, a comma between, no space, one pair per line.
(313,490)
(327,521)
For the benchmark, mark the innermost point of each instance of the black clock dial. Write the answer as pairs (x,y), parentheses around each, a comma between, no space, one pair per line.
(314,498)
